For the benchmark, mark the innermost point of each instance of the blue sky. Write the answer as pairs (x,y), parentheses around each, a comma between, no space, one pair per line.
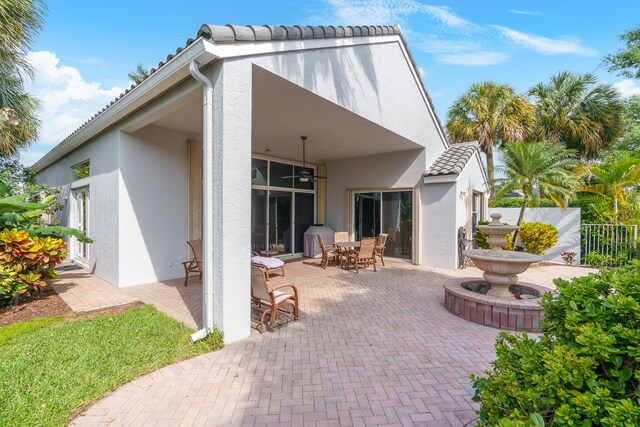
(86,49)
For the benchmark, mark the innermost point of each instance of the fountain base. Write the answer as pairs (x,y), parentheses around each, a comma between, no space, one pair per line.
(472,299)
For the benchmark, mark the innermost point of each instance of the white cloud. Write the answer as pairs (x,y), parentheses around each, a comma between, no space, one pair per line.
(547,45)
(423,72)
(434,44)
(475,59)
(627,87)
(389,12)
(523,12)
(67,100)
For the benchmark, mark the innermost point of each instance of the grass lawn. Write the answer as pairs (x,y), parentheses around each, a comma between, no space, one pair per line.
(51,367)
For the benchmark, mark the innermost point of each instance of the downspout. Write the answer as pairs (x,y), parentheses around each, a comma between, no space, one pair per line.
(207,203)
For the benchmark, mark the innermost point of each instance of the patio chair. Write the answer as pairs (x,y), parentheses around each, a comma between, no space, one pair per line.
(381,244)
(195,264)
(273,265)
(365,255)
(266,291)
(341,236)
(327,253)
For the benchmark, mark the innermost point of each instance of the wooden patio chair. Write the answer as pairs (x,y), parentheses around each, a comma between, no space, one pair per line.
(266,291)
(365,255)
(195,264)
(256,259)
(341,236)
(381,244)
(327,253)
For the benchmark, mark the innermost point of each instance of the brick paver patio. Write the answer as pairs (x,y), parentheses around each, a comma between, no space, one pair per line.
(369,349)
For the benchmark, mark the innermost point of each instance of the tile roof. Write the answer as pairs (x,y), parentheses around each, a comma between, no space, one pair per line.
(453,160)
(251,33)
(241,33)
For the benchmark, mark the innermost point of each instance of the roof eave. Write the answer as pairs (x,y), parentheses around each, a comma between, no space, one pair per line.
(174,71)
(437,179)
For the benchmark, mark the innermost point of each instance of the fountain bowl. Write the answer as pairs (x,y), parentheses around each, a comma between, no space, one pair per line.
(501,268)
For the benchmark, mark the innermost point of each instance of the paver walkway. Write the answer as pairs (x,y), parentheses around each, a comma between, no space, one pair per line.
(369,349)
(82,291)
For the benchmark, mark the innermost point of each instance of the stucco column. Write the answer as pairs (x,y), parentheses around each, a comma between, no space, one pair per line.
(232,199)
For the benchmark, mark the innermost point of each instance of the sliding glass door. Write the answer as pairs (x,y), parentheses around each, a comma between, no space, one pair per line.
(282,209)
(388,212)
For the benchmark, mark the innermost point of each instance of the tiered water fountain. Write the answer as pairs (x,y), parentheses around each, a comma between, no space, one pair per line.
(498,301)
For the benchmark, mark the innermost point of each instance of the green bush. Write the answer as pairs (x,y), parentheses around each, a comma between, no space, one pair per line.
(597,259)
(584,370)
(516,202)
(537,237)
(481,238)
(9,285)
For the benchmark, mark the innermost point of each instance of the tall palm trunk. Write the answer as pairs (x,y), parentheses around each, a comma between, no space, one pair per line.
(490,171)
(525,201)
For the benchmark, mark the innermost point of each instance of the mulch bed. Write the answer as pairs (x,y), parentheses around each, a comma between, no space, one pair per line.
(49,304)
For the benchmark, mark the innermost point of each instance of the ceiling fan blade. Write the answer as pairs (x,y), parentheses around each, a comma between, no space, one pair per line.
(290,177)
(319,177)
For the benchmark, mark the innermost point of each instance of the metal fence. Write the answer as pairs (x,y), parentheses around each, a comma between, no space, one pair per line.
(608,244)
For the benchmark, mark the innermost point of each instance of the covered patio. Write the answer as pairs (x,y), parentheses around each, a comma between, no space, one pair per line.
(369,349)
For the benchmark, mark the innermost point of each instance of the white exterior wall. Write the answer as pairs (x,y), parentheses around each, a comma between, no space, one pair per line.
(439,201)
(401,169)
(102,152)
(567,221)
(380,87)
(152,205)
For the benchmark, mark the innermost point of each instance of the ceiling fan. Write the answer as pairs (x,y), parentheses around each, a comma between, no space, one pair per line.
(305,175)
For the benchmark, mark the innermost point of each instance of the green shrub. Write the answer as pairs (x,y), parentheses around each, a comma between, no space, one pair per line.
(585,368)
(31,259)
(597,259)
(537,237)
(9,285)
(516,202)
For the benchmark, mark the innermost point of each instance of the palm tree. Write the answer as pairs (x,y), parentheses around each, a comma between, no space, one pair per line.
(615,181)
(576,110)
(139,74)
(535,167)
(20,22)
(491,114)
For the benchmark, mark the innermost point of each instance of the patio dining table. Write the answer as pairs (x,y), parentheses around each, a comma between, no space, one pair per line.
(347,244)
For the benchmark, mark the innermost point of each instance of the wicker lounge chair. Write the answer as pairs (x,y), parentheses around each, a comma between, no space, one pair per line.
(365,255)
(327,253)
(266,291)
(381,245)
(195,264)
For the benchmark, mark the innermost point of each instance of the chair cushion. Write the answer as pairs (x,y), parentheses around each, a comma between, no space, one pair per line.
(268,263)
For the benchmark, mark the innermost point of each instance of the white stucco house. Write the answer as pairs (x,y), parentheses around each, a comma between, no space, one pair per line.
(199,149)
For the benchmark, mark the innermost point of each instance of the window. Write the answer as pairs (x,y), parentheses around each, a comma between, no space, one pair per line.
(81,170)
(476,211)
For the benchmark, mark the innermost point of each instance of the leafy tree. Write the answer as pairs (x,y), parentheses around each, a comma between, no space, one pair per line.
(538,167)
(615,180)
(20,22)
(627,60)
(139,74)
(577,111)
(491,114)
(631,116)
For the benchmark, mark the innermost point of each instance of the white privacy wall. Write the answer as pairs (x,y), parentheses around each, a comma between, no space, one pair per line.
(567,221)
(102,152)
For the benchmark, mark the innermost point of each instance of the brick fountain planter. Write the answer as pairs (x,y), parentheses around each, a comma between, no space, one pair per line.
(492,302)
(502,313)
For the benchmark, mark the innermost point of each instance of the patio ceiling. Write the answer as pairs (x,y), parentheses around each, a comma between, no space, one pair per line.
(283,111)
